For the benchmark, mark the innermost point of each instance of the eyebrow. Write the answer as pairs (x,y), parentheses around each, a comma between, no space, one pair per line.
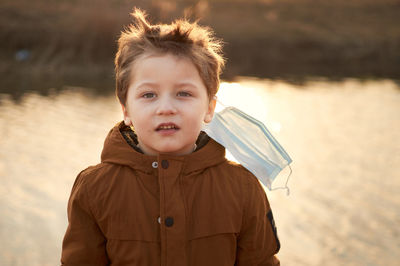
(146,83)
(183,84)
(155,84)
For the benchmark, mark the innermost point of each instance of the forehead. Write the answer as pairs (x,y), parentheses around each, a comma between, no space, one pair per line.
(160,66)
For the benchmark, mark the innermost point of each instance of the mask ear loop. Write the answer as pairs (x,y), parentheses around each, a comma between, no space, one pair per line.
(286,184)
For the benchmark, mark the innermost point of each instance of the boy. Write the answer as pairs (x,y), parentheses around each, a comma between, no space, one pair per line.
(164,194)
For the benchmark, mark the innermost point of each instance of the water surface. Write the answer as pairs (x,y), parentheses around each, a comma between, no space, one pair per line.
(344,206)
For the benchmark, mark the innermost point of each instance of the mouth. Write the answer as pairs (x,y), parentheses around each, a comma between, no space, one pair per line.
(167,126)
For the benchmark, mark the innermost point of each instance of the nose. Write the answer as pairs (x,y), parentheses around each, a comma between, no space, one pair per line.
(166,106)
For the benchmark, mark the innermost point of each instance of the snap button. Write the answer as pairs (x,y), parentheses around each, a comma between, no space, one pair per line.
(164,164)
(169,221)
(154,164)
(159,220)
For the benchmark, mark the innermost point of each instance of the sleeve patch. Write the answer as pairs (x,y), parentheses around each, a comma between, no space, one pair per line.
(272,222)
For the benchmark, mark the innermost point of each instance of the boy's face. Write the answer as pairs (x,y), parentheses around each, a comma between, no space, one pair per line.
(167,104)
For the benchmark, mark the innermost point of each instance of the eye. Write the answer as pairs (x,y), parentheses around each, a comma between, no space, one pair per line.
(149,95)
(184,94)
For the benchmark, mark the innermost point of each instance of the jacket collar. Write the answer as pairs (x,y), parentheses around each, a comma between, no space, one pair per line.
(117,150)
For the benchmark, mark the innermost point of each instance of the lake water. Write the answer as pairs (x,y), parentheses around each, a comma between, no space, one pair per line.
(343,137)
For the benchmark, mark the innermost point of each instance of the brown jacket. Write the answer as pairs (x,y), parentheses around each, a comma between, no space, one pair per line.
(192,210)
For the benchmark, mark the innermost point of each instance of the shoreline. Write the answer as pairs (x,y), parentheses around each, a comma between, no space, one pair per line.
(99,79)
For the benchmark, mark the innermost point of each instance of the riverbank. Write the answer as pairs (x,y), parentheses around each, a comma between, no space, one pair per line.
(57,41)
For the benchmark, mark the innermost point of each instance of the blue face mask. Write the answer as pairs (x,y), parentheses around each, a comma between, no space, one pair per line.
(251,143)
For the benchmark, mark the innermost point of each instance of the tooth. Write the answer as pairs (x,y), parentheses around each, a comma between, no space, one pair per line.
(167,127)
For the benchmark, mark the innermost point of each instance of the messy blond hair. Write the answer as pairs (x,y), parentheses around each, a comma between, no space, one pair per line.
(180,38)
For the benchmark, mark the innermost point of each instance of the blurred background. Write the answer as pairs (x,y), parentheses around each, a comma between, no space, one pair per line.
(322,75)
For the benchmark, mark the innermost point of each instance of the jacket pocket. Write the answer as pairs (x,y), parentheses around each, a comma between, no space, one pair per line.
(214,221)
(213,234)
(133,243)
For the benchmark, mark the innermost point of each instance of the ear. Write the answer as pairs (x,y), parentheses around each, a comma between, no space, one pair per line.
(210,111)
(127,120)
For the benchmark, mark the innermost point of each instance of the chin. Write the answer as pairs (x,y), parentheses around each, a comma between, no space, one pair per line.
(167,149)
(174,151)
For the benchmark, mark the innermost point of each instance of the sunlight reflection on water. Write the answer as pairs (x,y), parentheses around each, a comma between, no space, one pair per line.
(344,207)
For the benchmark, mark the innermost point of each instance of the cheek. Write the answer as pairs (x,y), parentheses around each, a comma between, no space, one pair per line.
(196,119)
(140,121)
(137,119)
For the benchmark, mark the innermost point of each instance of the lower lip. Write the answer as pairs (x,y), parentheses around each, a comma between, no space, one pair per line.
(167,132)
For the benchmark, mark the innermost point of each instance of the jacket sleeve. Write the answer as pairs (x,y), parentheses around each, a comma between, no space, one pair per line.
(84,243)
(258,240)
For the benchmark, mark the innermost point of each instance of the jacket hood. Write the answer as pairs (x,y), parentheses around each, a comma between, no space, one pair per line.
(118,150)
